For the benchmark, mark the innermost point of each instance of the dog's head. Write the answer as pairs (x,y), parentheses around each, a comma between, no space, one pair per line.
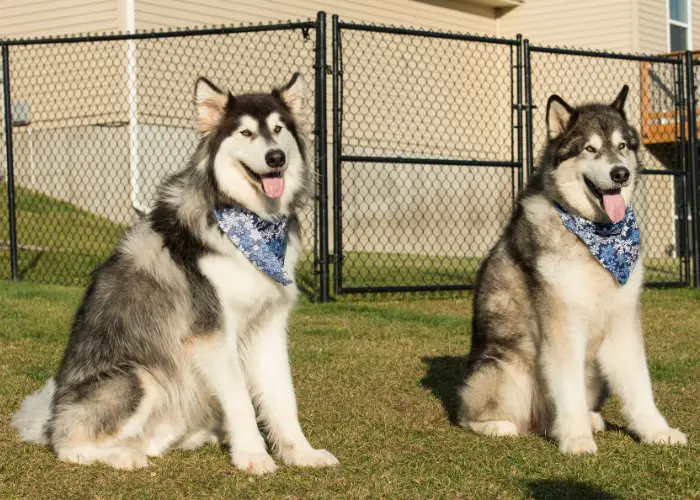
(254,147)
(593,156)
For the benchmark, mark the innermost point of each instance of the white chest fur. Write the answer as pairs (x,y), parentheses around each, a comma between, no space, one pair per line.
(588,291)
(242,287)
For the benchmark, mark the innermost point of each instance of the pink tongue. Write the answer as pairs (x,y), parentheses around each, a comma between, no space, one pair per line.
(614,206)
(273,186)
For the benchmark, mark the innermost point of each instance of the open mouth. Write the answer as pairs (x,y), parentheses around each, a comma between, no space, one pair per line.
(600,193)
(272,183)
(611,199)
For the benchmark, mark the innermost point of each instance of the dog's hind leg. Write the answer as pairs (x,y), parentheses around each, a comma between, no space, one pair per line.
(497,400)
(162,435)
(196,439)
(267,369)
(494,428)
(104,420)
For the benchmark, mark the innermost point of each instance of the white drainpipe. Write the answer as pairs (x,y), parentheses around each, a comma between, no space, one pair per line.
(133,110)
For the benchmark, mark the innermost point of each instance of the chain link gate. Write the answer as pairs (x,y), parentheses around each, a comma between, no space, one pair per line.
(96,122)
(427,155)
(656,107)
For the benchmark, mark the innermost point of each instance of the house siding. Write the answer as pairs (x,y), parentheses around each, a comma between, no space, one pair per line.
(696,24)
(454,15)
(598,24)
(34,18)
(653,26)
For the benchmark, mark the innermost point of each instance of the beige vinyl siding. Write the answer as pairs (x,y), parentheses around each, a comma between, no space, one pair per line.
(599,24)
(456,15)
(653,26)
(32,18)
(696,24)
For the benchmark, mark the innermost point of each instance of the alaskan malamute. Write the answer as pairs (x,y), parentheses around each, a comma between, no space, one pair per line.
(556,306)
(181,336)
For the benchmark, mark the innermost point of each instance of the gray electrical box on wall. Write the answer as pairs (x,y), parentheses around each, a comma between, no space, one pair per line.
(21,113)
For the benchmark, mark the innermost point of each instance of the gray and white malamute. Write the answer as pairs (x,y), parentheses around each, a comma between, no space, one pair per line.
(181,336)
(557,301)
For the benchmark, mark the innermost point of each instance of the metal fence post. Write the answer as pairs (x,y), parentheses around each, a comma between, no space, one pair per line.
(692,167)
(10,161)
(519,78)
(529,132)
(681,182)
(337,150)
(322,153)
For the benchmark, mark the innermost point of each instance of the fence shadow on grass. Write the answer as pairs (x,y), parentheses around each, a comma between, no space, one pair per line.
(566,488)
(443,378)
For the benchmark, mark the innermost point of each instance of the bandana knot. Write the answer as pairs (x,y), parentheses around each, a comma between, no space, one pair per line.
(263,242)
(616,246)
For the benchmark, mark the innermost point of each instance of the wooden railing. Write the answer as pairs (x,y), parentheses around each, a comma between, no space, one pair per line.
(658,127)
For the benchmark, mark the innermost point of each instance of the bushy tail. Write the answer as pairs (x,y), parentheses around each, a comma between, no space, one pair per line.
(31,419)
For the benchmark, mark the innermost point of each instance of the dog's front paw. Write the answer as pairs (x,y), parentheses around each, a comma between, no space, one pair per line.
(254,462)
(665,436)
(578,445)
(308,457)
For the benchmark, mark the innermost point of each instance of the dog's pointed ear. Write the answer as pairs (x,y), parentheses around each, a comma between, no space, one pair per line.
(559,116)
(294,93)
(211,103)
(619,102)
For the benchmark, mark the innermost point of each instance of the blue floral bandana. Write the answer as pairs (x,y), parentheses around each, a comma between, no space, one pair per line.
(264,243)
(615,246)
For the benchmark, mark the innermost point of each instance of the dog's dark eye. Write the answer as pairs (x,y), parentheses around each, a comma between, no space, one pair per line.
(590,149)
(246,133)
(622,146)
(277,129)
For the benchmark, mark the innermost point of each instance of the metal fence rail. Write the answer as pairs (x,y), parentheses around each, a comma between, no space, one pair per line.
(433,135)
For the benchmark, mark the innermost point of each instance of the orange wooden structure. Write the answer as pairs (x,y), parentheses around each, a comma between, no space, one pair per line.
(657,127)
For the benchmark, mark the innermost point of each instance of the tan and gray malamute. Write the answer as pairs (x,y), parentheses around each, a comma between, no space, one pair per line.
(557,301)
(181,336)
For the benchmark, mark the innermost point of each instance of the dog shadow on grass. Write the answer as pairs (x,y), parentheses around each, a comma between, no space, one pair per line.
(566,488)
(443,378)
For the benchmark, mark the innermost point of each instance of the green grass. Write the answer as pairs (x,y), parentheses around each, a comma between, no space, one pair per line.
(376,385)
(57,241)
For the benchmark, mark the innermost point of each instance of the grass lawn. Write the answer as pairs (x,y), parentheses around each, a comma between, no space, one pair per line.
(376,385)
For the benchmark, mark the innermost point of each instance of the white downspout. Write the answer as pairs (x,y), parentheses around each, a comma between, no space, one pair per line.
(132,84)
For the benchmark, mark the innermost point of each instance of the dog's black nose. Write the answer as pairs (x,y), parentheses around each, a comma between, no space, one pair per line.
(620,174)
(275,158)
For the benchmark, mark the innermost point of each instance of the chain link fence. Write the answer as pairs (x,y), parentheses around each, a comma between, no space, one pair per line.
(432,137)
(98,122)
